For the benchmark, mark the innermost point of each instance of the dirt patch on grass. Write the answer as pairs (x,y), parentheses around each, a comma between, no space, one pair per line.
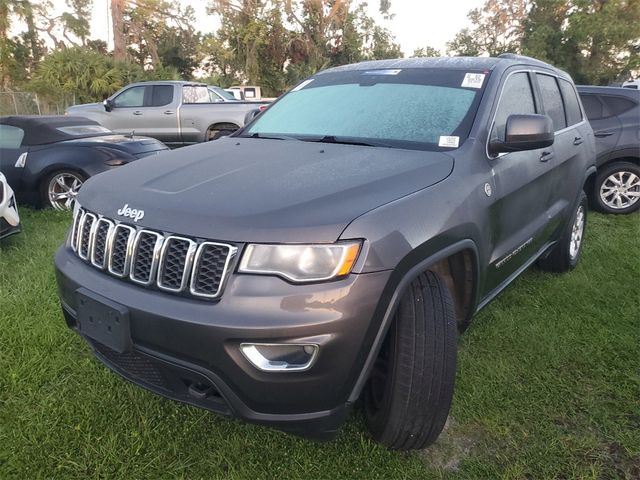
(454,445)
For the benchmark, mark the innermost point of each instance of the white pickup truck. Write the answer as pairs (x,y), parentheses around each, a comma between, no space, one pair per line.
(175,112)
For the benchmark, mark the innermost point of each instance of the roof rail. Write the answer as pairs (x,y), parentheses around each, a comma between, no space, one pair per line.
(515,56)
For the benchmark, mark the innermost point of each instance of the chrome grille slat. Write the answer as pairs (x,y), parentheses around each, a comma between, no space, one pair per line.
(172,263)
(120,248)
(144,262)
(77,221)
(84,237)
(211,265)
(99,246)
(176,259)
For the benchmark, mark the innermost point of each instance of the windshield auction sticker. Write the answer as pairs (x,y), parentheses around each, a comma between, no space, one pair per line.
(450,142)
(473,80)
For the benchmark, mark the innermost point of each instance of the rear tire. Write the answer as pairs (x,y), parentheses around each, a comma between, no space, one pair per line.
(566,253)
(409,393)
(617,188)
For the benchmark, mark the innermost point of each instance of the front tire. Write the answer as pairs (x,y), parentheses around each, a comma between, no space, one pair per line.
(566,253)
(617,188)
(409,393)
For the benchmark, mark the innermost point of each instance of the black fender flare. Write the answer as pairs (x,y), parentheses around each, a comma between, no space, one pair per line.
(590,171)
(391,305)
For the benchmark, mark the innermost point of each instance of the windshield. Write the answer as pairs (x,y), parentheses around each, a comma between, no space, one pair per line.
(420,108)
(84,130)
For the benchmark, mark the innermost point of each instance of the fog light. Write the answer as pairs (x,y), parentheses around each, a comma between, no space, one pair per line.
(280,357)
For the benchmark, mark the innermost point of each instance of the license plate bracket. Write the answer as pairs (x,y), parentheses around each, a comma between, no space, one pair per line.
(103,320)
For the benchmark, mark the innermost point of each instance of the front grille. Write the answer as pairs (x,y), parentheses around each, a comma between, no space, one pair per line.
(172,263)
(138,366)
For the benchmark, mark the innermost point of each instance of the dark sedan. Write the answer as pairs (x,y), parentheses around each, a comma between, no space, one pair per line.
(46,159)
(614,114)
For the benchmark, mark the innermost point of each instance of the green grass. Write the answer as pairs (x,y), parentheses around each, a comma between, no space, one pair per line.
(548,386)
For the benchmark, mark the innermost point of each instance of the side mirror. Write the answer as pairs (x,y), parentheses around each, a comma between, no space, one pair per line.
(108,104)
(524,132)
(251,114)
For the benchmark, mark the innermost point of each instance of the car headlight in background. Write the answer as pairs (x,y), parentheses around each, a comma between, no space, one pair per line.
(301,263)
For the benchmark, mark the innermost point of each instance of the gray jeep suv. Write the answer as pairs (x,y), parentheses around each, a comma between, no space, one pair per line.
(332,249)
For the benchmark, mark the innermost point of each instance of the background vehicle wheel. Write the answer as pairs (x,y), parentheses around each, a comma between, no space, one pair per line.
(59,190)
(567,251)
(222,130)
(409,393)
(617,188)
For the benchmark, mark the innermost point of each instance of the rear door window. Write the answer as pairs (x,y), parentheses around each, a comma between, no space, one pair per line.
(552,100)
(617,105)
(572,107)
(516,99)
(195,94)
(162,95)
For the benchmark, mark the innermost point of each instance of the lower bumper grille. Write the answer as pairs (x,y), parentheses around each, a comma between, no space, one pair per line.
(138,366)
(167,379)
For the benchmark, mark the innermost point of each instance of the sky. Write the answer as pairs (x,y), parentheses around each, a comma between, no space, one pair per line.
(417,23)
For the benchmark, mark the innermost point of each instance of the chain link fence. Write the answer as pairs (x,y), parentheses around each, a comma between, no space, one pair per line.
(28,103)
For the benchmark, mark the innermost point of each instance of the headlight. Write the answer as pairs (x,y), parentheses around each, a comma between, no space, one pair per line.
(301,263)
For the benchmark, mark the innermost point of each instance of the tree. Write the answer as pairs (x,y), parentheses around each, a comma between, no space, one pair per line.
(426,52)
(596,41)
(117,26)
(253,42)
(77,21)
(89,75)
(18,55)
(498,27)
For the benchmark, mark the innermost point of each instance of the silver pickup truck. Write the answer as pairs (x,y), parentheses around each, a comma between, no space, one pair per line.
(175,112)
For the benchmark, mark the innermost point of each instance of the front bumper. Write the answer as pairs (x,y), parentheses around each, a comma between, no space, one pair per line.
(188,349)
(9,217)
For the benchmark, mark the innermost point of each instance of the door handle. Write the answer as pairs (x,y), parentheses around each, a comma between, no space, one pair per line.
(137,112)
(169,112)
(603,134)
(577,141)
(546,156)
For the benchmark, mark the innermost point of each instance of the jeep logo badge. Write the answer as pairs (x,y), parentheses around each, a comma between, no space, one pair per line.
(133,213)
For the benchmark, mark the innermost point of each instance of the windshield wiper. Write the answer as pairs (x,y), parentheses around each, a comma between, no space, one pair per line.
(269,136)
(349,141)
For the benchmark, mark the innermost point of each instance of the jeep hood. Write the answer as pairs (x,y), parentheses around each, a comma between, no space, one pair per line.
(260,190)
